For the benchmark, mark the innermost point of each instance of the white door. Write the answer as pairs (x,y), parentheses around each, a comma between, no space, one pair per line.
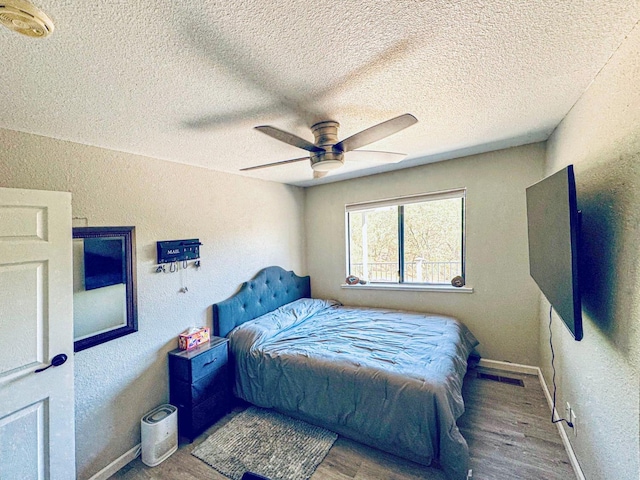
(37,438)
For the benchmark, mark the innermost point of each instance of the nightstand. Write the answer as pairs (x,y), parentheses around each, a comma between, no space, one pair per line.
(200,385)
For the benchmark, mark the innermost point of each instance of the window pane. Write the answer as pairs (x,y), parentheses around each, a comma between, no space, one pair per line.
(433,241)
(373,244)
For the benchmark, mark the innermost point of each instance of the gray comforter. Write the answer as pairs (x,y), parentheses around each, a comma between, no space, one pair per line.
(387,378)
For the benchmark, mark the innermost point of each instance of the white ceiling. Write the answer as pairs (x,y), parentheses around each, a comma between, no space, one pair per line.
(187,80)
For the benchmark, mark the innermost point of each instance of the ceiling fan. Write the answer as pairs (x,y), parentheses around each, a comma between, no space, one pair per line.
(327,153)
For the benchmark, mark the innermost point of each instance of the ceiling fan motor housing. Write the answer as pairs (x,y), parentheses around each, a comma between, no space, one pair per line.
(326,135)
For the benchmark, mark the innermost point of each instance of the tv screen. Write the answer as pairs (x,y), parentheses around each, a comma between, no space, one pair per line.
(554,224)
(103,262)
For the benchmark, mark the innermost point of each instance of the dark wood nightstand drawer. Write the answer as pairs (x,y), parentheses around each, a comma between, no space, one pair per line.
(209,411)
(193,420)
(189,366)
(193,393)
(211,360)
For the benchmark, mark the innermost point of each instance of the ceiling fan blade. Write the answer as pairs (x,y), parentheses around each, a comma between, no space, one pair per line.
(372,158)
(274,164)
(289,138)
(375,133)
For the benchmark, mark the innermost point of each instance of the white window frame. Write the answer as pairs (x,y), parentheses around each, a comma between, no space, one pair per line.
(401,201)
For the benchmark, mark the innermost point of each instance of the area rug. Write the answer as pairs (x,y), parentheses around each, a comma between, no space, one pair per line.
(268,443)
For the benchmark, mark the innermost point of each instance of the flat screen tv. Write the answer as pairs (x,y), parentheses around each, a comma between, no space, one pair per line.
(554,231)
(103,262)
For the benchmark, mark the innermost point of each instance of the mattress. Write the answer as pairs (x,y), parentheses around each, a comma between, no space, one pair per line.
(388,378)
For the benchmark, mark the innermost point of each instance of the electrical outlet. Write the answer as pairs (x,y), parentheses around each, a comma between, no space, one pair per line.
(574,422)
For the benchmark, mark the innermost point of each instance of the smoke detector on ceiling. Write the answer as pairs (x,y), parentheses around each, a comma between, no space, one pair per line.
(22,17)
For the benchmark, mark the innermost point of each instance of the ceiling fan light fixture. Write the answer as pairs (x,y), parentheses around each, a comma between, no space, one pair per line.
(327,165)
(26,19)
(327,161)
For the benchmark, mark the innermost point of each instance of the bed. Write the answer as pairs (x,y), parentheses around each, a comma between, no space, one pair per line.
(387,378)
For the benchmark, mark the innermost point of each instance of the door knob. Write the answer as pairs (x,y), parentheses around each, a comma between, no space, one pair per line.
(55,362)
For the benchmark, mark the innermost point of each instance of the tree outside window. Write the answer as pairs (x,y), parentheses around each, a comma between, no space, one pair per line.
(417,239)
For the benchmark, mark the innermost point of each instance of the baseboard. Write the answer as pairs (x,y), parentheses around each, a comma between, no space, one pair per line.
(531,370)
(117,464)
(563,435)
(509,367)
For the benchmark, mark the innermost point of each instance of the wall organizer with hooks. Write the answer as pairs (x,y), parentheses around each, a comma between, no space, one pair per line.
(175,252)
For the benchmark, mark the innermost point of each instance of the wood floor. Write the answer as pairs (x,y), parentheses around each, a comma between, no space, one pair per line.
(507,427)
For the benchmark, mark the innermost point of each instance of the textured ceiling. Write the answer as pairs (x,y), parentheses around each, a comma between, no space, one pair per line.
(187,81)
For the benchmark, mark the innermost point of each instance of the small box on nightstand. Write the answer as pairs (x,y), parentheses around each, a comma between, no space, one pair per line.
(193,338)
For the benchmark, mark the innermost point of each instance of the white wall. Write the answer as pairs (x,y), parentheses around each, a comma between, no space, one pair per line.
(502,311)
(599,375)
(244,225)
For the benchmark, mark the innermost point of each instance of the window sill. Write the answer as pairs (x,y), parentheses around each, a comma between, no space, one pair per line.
(407,286)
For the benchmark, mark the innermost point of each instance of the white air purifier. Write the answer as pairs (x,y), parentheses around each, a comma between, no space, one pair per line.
(159,434)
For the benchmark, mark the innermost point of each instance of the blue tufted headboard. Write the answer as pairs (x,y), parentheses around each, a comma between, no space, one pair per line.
(271,288)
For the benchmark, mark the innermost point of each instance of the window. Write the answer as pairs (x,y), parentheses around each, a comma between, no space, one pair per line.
(416,239)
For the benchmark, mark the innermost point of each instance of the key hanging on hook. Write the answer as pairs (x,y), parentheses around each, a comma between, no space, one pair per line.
(160,268)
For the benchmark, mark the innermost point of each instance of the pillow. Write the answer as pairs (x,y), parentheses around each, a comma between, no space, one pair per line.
(251,334)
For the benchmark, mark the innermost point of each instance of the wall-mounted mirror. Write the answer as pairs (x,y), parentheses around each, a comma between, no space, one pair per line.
(104,285)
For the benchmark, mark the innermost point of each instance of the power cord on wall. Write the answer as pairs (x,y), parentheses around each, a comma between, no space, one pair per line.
(553,356)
